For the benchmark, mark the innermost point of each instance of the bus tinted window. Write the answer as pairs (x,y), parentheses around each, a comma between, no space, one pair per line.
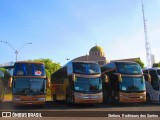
(21,86)
(86,68)
(37,86)
(88,84)
(130,84)
(26,69)
(29,86)
(158,71)
(129,68)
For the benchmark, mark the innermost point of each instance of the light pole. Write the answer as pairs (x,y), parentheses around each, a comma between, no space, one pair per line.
(15,51)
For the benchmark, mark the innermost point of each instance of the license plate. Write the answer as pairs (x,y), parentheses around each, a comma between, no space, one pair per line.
(29,103)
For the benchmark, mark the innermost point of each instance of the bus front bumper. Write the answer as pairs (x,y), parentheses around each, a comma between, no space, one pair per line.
(132,97)
(88,98)
(29,102)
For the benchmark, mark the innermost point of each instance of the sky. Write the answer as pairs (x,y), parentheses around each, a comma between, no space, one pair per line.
(61,29)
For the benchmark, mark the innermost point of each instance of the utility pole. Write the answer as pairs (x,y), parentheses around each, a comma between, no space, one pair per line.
(15,51)
(147,44)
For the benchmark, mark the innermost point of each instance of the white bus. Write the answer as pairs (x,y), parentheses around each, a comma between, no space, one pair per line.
(153,86)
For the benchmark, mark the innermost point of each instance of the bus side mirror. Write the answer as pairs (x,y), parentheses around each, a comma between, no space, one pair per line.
(105,78)
(119,77)
(147,77)
(74,77)
(48,82)
(10,82)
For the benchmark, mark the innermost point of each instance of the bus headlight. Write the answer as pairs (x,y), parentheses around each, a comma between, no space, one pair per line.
(116,98)
(141,97)
(42,99)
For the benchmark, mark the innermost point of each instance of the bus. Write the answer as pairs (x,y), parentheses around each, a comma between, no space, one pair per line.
(28,83)
(153,86)
(77,83)
(125,82)
(1,86)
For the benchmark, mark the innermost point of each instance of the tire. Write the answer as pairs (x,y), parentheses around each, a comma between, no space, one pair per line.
(148,99)
(105,97)
(69,100)
(54,98)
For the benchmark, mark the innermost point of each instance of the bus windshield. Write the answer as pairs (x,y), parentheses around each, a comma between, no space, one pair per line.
(88,84)
(29,69)
(86,68)
(131,84)
(29,86)
(129,68)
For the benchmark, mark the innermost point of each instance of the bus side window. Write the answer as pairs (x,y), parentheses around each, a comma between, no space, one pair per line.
(38,70)
(19,70)
(154,79)
(29,69)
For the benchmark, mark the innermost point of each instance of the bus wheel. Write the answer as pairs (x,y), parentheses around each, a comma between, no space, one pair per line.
(69,100)
(148,98)
(54,97)
(105,99)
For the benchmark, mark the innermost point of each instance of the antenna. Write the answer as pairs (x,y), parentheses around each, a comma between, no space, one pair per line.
(147,44)
(96,42)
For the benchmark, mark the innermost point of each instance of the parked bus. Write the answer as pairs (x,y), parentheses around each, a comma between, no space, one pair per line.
(1,86)
(28,83)
(125,82)
(77,82)
(153,86)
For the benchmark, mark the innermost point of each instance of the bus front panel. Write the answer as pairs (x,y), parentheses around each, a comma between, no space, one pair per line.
(132,89)
(88,90)
(29,90)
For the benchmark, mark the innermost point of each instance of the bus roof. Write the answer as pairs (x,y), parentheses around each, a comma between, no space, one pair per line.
(122,62)
(29,62)
(154,68)
(118,62)
(84,62)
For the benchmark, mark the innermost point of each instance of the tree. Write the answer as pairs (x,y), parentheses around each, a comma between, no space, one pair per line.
(6,77)
(140,62)
(50,66)
(156,64)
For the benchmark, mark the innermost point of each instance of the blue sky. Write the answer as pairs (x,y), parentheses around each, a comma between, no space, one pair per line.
(60,29)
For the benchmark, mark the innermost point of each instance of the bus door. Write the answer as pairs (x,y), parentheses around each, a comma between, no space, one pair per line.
(155,91)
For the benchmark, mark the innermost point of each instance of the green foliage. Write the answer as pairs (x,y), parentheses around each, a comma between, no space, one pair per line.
(156,64)
(6,76)
(140,63)
(50,66)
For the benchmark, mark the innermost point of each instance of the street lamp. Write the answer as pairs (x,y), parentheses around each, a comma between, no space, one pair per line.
(15,51)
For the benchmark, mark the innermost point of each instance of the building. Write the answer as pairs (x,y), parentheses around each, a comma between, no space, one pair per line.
(96,54)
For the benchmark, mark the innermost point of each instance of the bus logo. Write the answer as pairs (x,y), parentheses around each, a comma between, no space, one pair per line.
(38,72)
(6,114)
